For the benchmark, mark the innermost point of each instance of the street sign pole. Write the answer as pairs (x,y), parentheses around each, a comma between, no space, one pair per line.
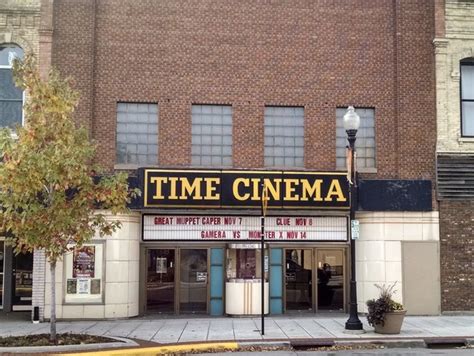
(264,199)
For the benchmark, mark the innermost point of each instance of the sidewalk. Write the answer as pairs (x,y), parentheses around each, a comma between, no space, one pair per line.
(277,329)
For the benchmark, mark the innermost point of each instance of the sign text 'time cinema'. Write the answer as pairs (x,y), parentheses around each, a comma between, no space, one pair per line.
(243,189)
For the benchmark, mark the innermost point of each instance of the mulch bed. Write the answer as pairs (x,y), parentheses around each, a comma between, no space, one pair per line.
(43,340)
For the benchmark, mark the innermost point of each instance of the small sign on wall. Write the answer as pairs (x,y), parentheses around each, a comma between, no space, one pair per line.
(201,276)
(161,265)
(83,286)
(355,229)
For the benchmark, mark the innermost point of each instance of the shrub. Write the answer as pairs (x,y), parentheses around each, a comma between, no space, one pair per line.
(377,308)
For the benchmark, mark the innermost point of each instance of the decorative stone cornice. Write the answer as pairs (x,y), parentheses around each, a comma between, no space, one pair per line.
(441,45)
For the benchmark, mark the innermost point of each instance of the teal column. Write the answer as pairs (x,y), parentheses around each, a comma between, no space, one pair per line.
(217,281)
(276,281)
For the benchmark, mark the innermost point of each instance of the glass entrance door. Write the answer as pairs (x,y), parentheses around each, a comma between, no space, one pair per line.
(193,281)
(22,280)
(330,279)
(160,286)
(298,279)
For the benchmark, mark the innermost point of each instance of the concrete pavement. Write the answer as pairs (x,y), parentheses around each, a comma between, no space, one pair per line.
(285,328)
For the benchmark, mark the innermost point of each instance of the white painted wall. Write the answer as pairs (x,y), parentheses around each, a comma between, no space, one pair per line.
(121,282)
(379,248)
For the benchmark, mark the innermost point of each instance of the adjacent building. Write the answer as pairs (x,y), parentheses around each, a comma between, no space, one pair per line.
(454,44)
(19,25)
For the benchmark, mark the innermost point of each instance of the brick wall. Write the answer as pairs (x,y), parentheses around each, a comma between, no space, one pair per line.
(251,53)
(39,277)
(457,255)
(455,41)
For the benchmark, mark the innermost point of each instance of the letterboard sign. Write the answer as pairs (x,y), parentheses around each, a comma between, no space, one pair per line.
(243,228)
(243,189)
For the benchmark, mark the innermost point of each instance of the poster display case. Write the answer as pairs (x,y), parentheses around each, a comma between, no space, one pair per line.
(84,274)
(244,278)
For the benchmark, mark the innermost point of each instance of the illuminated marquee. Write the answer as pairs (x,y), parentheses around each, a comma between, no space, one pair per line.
(242,189)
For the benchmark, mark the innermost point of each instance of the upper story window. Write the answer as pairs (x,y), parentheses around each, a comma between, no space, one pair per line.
(467,97)
(11,97)
(211,135)
(365,139)
(284,136)
(137,133)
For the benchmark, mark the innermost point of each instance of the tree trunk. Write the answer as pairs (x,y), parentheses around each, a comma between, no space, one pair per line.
(52,336)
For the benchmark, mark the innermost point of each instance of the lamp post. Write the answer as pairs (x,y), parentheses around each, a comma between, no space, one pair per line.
(351,125)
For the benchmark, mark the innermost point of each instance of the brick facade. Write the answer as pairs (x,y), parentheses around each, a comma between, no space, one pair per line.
(251,54)
(320,55)
(454,42)
(457,255)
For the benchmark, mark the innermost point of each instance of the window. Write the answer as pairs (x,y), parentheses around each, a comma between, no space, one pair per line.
(11,97)
(137,133)
(284,137)
(467,97)
(211,135)
(365,139)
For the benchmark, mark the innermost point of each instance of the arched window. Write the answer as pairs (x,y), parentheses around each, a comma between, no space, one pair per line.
(11,97)
(467,97)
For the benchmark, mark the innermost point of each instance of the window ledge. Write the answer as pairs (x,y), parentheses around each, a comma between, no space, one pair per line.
(465,139)
(359,170)
(367,170)
(125,166)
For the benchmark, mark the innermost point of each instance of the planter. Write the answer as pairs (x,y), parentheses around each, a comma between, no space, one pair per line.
(393,323)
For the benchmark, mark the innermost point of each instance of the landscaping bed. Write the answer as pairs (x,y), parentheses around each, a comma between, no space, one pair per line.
(43,340)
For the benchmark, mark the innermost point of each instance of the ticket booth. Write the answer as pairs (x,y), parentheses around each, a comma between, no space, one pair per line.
(243,286)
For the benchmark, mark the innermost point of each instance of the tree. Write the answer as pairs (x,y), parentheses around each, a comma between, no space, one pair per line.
(49,192)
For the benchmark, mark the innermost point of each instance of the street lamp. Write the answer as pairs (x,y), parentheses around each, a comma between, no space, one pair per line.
(351,125)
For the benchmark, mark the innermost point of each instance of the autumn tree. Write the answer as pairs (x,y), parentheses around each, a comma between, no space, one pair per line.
(49,192)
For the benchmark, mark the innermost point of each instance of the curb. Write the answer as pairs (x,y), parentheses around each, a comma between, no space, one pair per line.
(166,349)
(129,348)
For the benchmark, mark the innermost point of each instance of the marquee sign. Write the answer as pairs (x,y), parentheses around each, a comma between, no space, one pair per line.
(243,228)
(165,188)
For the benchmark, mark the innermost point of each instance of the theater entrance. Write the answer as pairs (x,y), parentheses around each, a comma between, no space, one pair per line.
(176,280)
(160,280)
(315,279)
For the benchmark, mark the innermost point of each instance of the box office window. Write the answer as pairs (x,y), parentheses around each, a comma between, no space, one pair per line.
(211,135)
(284,136)
(137,133)
(11,97)
(365,139)
(467,97)
(85,274)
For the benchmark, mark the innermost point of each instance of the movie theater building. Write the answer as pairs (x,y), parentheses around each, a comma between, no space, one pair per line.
(203,103)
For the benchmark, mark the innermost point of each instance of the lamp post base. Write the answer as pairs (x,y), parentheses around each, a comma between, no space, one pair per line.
(353,323)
